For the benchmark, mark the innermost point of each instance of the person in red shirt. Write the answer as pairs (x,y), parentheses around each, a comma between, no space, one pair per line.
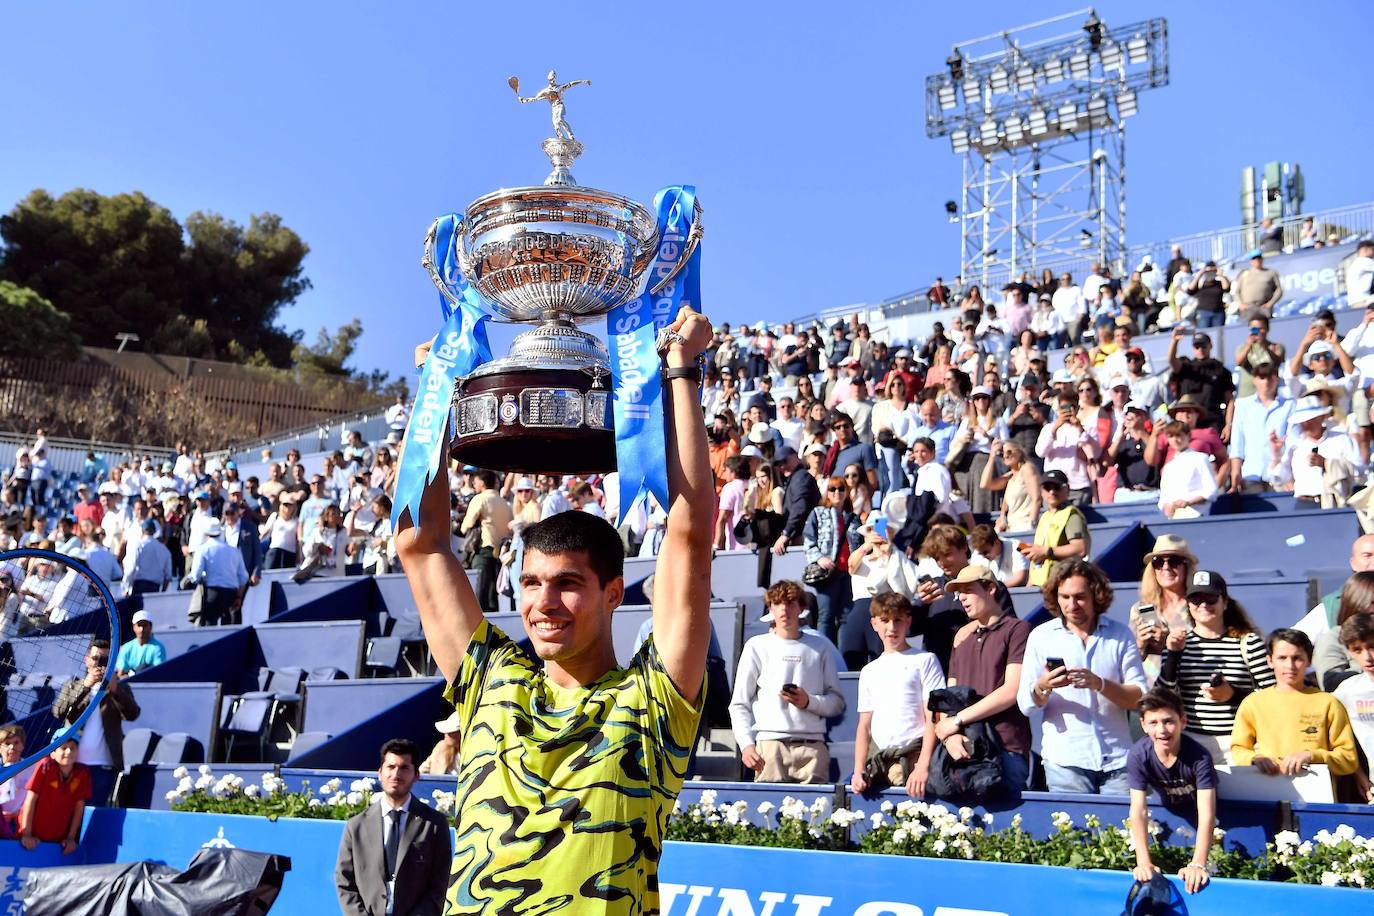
(87,507)
(58,791)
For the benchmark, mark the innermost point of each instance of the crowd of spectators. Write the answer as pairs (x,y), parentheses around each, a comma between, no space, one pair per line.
(921,480)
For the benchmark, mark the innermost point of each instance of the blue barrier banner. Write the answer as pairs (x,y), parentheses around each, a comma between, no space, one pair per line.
(631,329)
(459,349)
(1307,271)
(694,880)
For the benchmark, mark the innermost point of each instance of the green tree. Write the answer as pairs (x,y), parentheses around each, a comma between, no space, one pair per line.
(111,263)
(330,352)
(33,327)
(240,279)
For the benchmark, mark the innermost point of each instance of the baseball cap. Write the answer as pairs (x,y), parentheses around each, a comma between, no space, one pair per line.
(1135,351)
(142,617)
(784,453)
(1062,377)
(1206,582)
(903,352)
(166,465)
(150,526)
(760,433)
(201,494)
(849,361)
(751,451)
(214,529)
(229,466)
(1255,253)
(1201,340)
(1119,381)
(970,574)
(1137,407)
(108,486)
(980,391)
(450,725)
(83,486)
(1055,478)
(524,483)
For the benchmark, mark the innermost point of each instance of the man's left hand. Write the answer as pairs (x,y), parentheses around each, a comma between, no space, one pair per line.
(1194,877)
(1294,764)
(796,696)
(946,727)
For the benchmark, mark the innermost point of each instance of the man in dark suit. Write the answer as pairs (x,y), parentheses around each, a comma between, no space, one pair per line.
(240,532)
(800,496)
(394,858)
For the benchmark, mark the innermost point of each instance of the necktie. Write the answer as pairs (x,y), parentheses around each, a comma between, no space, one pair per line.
(392,847)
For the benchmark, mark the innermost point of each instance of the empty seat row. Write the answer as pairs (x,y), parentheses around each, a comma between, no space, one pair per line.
(143,745)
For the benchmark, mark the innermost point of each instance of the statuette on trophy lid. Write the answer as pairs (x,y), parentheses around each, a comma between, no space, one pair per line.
(550,255)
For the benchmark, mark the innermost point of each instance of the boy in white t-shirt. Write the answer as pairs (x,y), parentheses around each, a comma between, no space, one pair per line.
(892,703)
(1357,693)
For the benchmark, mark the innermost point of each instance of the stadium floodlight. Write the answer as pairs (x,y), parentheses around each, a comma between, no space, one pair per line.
(1013,129)
(1111,56)
(1126,103)
(1068,116)
(1025,78)
(987,132)
(998,81)
(958,140)
(1137,50)
(947,96)
(973,90)
(1097,109)
(1080,66)
(1054,70)
(1038,123)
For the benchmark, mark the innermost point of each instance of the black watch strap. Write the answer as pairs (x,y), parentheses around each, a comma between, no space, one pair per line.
(687,372)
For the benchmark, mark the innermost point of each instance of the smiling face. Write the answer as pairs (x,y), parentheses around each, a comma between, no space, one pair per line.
(1163,726)
(565,608)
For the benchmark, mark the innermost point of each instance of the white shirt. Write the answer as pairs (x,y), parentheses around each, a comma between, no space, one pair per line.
(182,466)
(553,503)
(1092,285)
(1359,343)
(103,563)
(1068,303)
(1008,563)
(1187,475)
(934,479)
(92,750)
(893,687)
(791,431)
(397,415)
(1359,274)
(1296,462)
(13,791)
(388,824)
(200,521)
(1357,696)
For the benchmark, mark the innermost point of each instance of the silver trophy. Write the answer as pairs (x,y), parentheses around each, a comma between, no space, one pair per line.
(553,254)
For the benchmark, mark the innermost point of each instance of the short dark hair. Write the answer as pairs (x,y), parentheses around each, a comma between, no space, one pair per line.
(488,477)
(1291,636)
(982,537)
(889,605)
(1359,628)
(1160,697)
(580,532)
(98,643)
(401,747)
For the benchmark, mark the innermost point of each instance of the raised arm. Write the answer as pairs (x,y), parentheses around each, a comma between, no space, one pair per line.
(682,575)
(449,611)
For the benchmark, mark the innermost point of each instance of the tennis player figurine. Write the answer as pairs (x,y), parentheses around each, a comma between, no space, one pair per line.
(571,763)
(553,94)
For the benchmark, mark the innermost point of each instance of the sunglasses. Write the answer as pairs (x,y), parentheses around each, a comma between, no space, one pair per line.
(1161,562)
(851,476)
(836,489)
(1203,599)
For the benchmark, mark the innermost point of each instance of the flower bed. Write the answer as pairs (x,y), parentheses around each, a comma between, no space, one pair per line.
(910,828)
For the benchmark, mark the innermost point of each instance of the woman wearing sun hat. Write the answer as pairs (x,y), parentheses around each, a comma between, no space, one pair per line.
(444,759)
(1164,586)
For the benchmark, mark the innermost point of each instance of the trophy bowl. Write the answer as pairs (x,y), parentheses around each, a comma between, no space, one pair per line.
(551,255)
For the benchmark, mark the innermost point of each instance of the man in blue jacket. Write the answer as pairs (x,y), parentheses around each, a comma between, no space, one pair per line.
(241,533)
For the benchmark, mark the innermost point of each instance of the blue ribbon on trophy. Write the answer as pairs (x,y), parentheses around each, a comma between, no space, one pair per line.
(460,347)
(632,329)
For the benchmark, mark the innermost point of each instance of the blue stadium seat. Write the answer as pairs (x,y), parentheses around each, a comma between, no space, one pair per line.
(138,746)
(383,657)
(25,701)
(177,747)
(326,673)
(308,741)
(250,720)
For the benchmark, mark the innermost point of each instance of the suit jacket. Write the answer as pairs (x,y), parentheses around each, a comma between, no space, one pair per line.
(422,867)
(799,497)
(250,545)
(116,707)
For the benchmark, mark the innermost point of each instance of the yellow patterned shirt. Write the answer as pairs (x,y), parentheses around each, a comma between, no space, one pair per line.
(563,794)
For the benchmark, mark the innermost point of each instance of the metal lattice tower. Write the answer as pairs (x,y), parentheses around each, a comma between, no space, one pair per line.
(1038,114)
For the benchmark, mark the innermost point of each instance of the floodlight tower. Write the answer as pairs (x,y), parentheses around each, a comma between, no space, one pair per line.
(1038,114)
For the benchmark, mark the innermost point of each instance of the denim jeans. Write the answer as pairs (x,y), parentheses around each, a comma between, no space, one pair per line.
(1015,770)
(1209,319)
(834,598)
(1086,782)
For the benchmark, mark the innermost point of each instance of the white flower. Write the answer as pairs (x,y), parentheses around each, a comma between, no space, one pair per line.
(1218,834)
(1016,822)
(205,769)
(1330,879)
(1061,820)
(173,796)
(186,786)
(338,798)
(205,781)
(1284,840)
(1356,877)
(732,816)
(965,814)
(886,807)
(899,835)
(708,798)
(765,808)
(1305,849)
(876,820)
(314,803)
(355,797)
(252,791)
(1345,832)
(940,846)
(180,772)
(987,820)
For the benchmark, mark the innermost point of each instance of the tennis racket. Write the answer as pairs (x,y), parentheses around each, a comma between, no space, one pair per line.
(59,632)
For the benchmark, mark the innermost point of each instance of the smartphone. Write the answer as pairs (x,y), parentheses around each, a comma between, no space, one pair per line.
(924,579)
(880,527)
(1052,663)
(1217,679)
(789,688)
(1147,616)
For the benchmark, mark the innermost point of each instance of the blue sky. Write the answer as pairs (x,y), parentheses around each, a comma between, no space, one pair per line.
(800,124)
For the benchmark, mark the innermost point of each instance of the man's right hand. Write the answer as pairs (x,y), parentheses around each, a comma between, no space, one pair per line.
(1053,680)
(928,592)
(751,759)
(780,545)
(857,783)
(1265,765)
(29,842)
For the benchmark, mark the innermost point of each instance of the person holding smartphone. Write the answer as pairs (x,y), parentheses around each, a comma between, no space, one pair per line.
(1082,670)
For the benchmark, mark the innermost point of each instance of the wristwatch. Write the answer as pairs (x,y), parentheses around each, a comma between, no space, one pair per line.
(959,722)
(687,372)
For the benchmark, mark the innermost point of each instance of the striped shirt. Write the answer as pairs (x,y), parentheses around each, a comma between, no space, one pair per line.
(1241,660)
